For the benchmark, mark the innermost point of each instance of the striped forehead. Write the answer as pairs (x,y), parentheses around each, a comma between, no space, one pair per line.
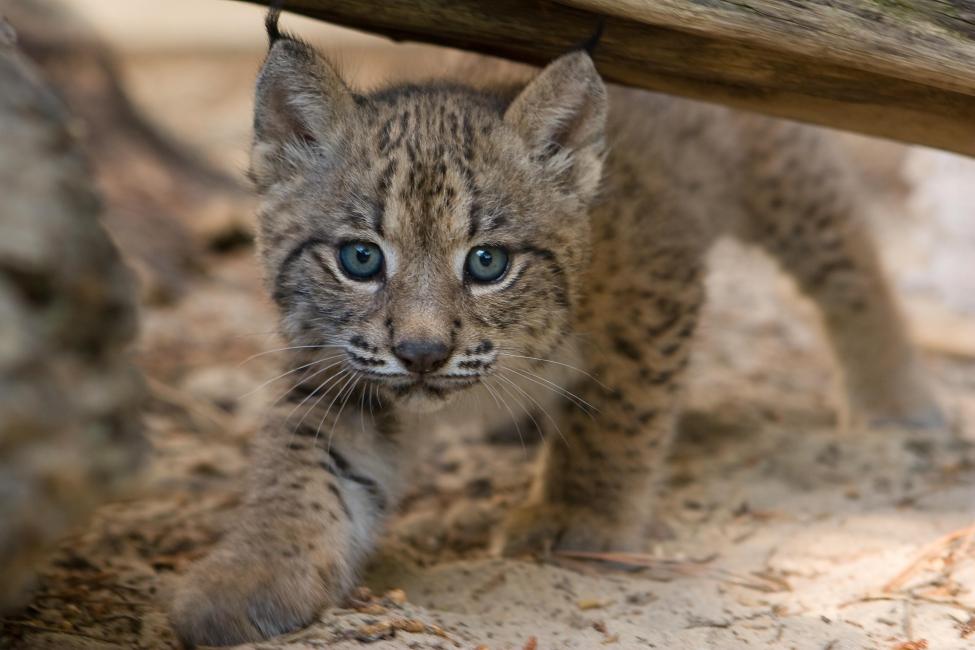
(427,185)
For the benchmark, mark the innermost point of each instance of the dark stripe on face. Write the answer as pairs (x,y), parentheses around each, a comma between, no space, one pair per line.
(474,218)
(470,187)
(468,140)
(383,140)
(514,281)
(360,212)
(324,264)
(383,188)
(367,361)
(562,293)
(543,253)
(362,344)
(280,291)
(495,222)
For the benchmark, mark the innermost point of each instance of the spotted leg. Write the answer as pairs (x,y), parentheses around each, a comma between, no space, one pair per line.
(807,214)
(596,487)
(317,496)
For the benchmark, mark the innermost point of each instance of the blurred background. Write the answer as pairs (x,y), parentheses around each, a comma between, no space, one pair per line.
(165,94)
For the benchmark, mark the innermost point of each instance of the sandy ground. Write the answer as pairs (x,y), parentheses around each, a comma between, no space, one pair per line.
(780,529)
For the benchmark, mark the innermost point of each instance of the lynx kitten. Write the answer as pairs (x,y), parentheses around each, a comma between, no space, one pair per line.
(429,243)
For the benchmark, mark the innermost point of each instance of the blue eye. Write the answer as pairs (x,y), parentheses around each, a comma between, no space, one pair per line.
(486,263)
(361,260)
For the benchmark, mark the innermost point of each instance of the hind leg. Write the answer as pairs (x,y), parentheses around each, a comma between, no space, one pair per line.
(804,210)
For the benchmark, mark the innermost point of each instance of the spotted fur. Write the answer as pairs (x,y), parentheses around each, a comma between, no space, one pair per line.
(589,332)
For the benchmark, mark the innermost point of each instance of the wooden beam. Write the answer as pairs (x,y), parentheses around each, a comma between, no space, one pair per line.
(900,69)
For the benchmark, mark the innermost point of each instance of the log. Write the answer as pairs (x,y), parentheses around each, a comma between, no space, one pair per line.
(899,69)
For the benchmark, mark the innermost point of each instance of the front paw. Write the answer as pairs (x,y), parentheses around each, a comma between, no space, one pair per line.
(902,400)
(927,418)
(540,529)
(910,409)
(229,599)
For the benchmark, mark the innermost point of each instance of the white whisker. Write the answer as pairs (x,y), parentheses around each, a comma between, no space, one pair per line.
(293,347)
(332,382)
(354,376)
(362,409)
(328,381)
(514,420)
(555,388)
(539,406)
(558,363)
(317,388)
(308,374)
(528,412)
(285,374)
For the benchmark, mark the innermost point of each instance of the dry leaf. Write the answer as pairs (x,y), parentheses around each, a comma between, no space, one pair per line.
(921,644)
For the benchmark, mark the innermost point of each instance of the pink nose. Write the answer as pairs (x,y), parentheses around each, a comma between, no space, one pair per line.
(422,356)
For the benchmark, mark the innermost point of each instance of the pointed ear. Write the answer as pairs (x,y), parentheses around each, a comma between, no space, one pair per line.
(561,115)
(300,106)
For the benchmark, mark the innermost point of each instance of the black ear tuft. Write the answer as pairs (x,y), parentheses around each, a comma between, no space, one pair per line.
(589,45)
(301,106)
(271,22)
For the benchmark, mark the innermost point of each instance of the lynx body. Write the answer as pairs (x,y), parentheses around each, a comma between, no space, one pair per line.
(524,248)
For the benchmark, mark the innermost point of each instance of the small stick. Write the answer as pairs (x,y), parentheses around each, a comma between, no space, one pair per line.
(898,581)
(946,602)
(639,559)
(966,543)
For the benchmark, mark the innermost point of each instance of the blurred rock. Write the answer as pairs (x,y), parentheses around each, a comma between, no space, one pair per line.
(164,204)
(69,431)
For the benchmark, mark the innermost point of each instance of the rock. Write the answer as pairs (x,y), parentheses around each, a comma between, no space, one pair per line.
(69,432)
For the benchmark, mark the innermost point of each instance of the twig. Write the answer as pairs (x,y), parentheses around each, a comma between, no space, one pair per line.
(895,583)
(945,602)
(757,581)
(636,559)
(966,543)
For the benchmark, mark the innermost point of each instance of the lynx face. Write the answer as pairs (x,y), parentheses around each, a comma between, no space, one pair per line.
(426,235)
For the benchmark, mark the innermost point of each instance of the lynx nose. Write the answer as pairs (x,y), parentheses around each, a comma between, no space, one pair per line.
(421,356)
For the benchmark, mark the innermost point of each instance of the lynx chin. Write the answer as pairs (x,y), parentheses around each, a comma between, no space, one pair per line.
(536,246)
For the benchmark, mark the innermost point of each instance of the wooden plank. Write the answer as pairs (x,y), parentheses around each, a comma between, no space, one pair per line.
(931,40)
(901,69)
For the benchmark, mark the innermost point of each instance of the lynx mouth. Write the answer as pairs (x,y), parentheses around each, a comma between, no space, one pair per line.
(426,394)
(434,387)
(439,386)
(441,383)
